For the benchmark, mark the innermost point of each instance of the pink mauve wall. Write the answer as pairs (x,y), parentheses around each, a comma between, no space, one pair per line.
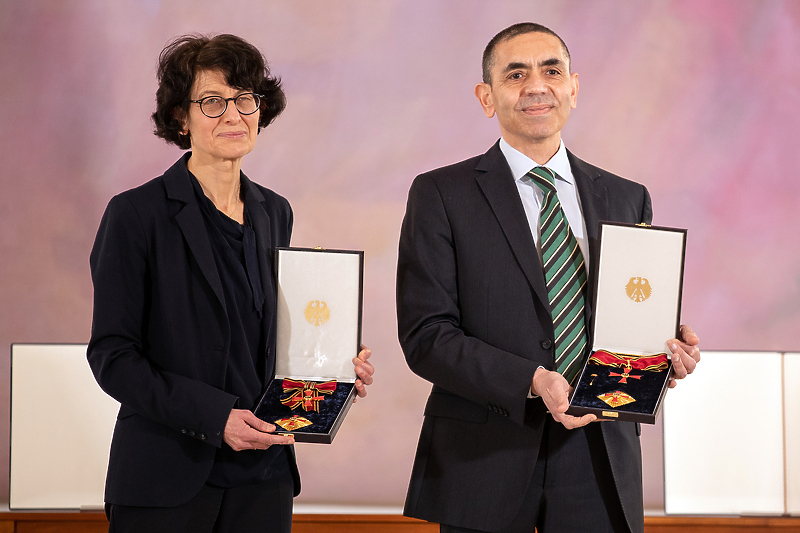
(699,100)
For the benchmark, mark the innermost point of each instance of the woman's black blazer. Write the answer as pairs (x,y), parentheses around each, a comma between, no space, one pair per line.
(160,335)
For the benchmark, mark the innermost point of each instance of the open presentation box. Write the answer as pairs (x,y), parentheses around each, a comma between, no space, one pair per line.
(320,294)
(637,303)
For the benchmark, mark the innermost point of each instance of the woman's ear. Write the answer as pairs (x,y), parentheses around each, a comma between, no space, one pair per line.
(178,115)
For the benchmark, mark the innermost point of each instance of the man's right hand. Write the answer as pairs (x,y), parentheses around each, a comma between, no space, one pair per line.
(245,431)
(554,391)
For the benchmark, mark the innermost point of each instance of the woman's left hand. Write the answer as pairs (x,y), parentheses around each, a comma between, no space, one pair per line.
(364,371)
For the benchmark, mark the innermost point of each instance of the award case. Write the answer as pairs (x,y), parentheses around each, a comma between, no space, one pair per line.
(637,299)
(319,313)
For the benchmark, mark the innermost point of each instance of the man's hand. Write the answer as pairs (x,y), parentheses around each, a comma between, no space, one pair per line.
(364,371)
(245,431)
(685,354)
(554,390)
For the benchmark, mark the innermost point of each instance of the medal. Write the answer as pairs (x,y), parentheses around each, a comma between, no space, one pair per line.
(647,363)
(306,393)
(293,422)
(617,398)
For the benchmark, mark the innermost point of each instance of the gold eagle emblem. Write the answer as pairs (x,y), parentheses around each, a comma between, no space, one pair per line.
(317,312)
(638,289)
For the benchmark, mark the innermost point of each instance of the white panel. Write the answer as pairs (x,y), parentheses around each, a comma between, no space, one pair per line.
(61,427)
(791,387)
(723,437)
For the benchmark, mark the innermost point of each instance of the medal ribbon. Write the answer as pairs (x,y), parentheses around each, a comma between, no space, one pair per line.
(306,393)
(650,363)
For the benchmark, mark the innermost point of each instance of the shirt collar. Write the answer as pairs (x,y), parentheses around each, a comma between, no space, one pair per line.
(521,164)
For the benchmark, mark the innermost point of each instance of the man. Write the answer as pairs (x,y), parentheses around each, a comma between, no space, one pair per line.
(497,452)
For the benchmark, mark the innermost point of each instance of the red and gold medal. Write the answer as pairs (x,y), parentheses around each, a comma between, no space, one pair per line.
(617,398)
(306,393)
(647,363)
(293,422)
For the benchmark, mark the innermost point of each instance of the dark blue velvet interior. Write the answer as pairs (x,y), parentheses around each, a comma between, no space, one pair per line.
(646,390)
(271,409)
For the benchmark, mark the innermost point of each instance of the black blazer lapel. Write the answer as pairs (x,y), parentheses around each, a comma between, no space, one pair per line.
(501,192)
(190,221)
(593,195)
(262,226)
(263,229)
(594,205)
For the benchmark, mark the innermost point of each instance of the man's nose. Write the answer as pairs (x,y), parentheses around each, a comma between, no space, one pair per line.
(535,84)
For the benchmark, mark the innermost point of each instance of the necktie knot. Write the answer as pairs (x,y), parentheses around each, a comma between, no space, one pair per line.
(544,178)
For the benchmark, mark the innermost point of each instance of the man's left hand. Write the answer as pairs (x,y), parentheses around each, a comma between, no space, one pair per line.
(364,371)
(685,354)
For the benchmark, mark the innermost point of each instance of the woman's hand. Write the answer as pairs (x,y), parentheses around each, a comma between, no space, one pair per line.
(245,431)
(364,371)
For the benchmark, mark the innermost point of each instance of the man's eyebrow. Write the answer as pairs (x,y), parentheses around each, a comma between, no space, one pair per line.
(551,62)
(516,65)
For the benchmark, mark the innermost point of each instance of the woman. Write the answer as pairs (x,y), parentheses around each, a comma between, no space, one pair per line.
(183,331)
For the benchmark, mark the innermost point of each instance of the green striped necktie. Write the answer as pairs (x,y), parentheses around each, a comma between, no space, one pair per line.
(565,275)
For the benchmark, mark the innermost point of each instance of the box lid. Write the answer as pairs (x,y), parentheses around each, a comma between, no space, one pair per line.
(319,313)
(639,284)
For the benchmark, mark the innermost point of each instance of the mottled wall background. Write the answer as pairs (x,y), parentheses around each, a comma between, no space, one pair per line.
(699,100)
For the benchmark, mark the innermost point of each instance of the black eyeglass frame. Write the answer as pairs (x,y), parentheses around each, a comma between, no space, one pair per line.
(226,100)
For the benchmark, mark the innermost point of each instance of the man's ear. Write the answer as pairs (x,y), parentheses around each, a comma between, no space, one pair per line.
(483,91)
(573,80)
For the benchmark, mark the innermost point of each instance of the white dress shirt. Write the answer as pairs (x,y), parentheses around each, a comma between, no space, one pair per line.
(531,195)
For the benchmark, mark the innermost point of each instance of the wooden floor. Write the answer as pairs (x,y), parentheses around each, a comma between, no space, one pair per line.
(95,522)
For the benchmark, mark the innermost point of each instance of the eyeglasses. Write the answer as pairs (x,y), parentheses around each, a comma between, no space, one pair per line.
(215,106)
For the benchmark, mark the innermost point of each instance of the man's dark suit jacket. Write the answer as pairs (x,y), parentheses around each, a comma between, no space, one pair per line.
(160,334)
(474,319)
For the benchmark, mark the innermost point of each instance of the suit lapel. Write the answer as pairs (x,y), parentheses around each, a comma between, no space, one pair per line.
(498,186)
(593,195)
(190,221)
(259,217)
(263,230)
(594,205)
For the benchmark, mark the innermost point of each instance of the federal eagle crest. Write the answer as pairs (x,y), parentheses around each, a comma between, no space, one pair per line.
(317,312)
(638,289)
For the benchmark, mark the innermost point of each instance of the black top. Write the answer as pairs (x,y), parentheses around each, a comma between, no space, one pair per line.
(234,249)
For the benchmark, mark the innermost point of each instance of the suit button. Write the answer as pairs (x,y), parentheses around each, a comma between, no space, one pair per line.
(203,436)
(183,430)
(190,433)
(546,344)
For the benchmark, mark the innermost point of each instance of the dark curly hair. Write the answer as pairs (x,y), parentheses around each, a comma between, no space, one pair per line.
(242,64)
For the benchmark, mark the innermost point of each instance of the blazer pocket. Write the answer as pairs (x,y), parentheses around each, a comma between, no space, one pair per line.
(451,406)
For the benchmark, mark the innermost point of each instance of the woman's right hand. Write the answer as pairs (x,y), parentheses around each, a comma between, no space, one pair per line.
(245,431)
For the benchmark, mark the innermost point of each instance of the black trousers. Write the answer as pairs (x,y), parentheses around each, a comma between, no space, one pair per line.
(265,507)
(572,489)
